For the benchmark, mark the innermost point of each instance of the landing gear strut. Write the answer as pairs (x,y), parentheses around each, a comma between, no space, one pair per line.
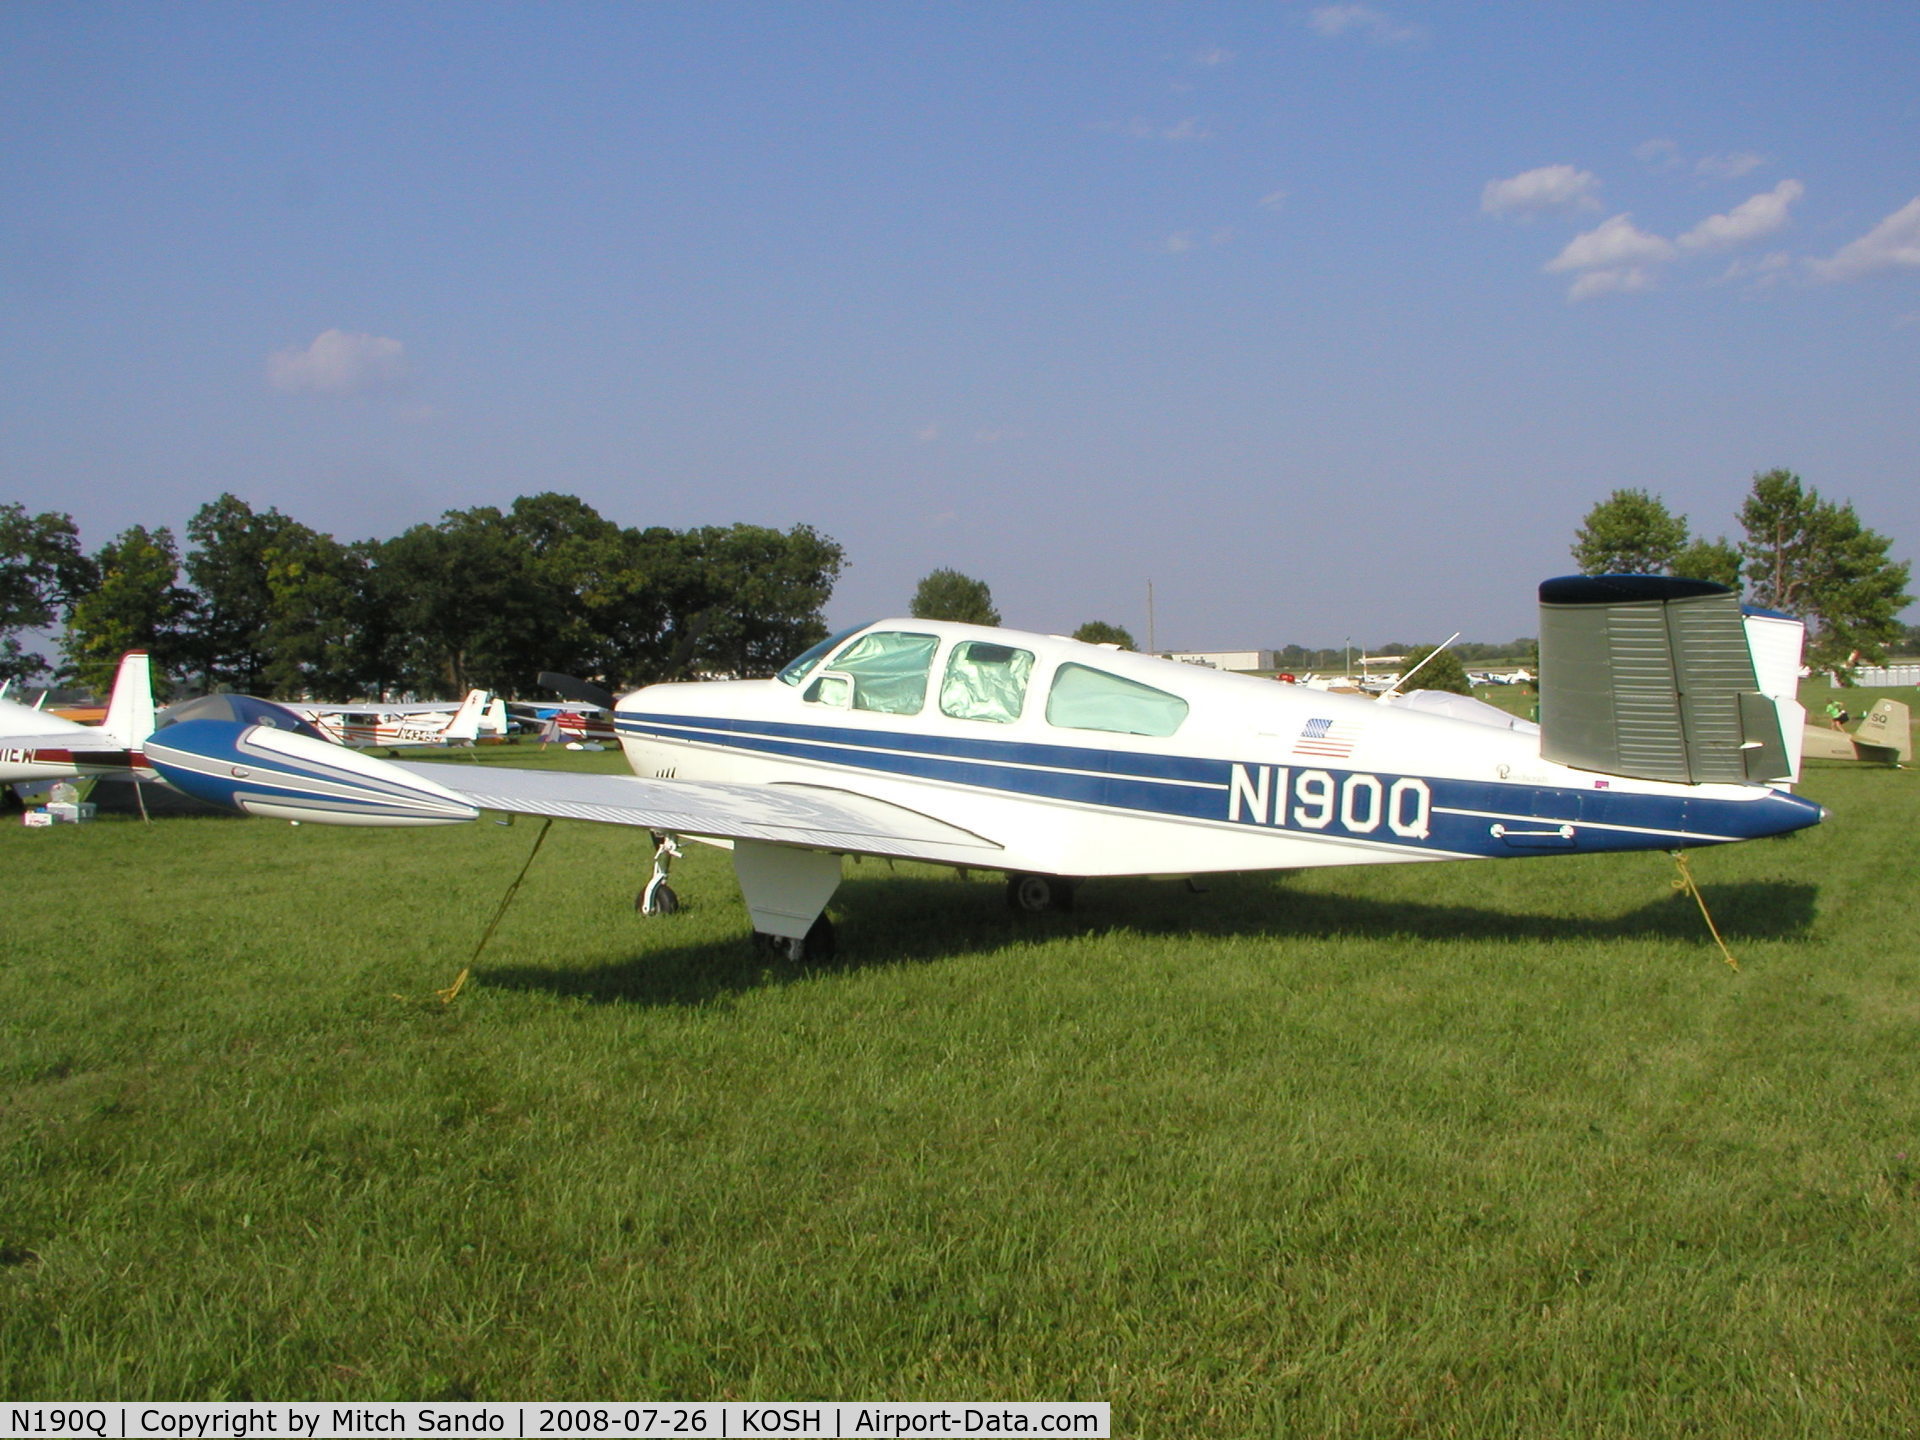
(1037,894)
(658,897)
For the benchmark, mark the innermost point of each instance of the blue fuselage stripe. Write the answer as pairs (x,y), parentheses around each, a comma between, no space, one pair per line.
(1307,797)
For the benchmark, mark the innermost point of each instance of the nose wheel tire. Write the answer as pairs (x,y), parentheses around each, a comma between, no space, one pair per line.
(657,900)
(1038,894)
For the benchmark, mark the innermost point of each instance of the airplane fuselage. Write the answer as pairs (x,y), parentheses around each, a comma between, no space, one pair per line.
(1249,774)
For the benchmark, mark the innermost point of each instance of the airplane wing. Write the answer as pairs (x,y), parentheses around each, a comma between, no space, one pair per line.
(816,817)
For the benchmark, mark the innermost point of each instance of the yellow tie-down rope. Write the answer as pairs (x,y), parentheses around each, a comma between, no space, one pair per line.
(1686,884)
(460,982)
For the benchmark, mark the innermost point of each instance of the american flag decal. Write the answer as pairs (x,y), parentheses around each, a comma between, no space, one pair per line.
(1332,738)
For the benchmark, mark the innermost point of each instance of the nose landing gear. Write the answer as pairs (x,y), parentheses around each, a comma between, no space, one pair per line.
(658,897)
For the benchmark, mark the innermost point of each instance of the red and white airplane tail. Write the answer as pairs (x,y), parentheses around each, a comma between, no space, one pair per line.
(464,727)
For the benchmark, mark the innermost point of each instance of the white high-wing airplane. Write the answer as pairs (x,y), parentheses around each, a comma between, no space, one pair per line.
(428,723)
(35,745)
(1053,760)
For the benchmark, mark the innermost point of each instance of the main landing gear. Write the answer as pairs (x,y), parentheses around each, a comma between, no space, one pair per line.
(1037,894)
(658,897)
(816,945)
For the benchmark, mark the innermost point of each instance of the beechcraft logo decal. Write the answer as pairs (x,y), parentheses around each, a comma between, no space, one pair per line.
(1331,738)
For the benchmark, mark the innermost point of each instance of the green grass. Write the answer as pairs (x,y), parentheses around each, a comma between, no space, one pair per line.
(1477,1149)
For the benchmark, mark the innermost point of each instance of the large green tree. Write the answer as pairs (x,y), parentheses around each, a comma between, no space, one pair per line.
(1813,558)
(321,636)
(1715,560)
(1629,533)
(227,567)
(42,573)
(136,603)
(946,594)
(750,598)
(456,591)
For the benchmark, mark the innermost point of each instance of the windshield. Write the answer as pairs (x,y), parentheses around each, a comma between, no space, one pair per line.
(799,668)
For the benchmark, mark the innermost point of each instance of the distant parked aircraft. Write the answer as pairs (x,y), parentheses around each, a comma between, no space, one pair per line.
(366,727)
(1885,737)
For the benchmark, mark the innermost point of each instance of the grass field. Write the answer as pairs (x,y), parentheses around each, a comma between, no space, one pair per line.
(1476,1150)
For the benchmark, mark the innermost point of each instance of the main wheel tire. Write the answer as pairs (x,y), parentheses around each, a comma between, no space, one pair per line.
(818,944)
(1038,894)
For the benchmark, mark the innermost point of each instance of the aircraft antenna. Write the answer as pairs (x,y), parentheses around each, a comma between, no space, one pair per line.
(1416,669)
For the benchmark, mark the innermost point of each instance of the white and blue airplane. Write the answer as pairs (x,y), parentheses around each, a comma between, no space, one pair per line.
(1668,721)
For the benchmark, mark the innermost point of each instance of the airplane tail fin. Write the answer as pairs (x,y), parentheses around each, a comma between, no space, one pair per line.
(1888,732)
(495,721)
(1658,678)
(130,708)
(465,724)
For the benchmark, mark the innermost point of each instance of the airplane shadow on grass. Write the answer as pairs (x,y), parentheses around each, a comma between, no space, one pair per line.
(911,920)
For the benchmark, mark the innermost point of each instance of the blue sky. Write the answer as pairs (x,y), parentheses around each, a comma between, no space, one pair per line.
(1329,319)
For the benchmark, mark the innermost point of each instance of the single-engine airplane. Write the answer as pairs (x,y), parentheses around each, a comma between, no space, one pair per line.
(1053,760)
(36,745)
(373,726)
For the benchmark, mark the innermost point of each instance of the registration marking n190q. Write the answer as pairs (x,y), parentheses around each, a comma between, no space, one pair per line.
(1315,800)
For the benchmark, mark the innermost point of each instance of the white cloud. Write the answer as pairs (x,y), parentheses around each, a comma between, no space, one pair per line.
(1618,281)
(928,433)
(1533,192)
(1767,270)
(1613,259)
(1761,215)
(1891,245)
(1191,128)
(1615,244)
(337,363)
(1334,21)
(1275,200)
(1212,56)
(1728,167)
(1665,156)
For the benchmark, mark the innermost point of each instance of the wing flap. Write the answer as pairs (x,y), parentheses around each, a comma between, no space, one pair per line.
(811,816)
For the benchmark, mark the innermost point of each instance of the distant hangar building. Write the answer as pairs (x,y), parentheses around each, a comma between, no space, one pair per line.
(1224,659)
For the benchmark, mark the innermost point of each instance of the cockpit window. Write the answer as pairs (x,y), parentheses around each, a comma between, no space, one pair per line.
(798,668)
(888,669)
(1088,699)
(238,709)
(985,682)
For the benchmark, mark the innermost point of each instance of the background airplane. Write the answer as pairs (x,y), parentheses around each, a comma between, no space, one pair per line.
(1884,737)
(426,723)
(36,745)
(1052,760)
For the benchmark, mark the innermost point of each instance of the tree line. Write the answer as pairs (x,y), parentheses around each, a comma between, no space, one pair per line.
(1802,554)
(264,604)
